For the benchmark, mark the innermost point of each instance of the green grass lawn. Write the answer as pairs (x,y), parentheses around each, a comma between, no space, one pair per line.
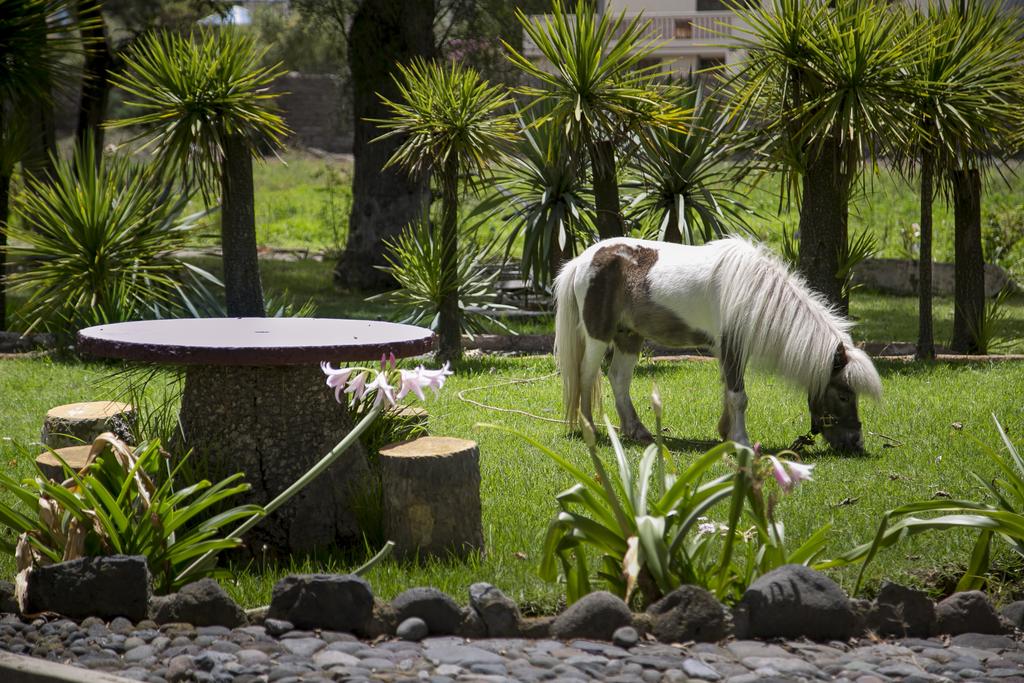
(922,402)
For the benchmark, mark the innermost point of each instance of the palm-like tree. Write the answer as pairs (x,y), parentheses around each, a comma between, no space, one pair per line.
(453,124)
(206,109)
(542,187)
(824,82)
(689,193)
(34,41)
(963,111)
(598,91)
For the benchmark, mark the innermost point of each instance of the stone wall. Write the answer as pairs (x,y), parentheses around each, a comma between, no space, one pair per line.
(899,276)
(315,107)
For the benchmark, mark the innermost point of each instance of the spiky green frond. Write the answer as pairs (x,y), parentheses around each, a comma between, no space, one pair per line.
(447,111)
(195,91)
(593,76)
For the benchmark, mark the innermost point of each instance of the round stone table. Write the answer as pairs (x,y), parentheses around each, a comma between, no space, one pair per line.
(255,401)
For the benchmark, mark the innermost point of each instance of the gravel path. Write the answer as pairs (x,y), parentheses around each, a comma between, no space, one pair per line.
(181,652)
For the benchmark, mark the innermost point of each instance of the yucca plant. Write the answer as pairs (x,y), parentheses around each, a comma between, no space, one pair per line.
(651,531)
(35,42)
(124,502)
(826,86)
(598,91)
(206,111)
(1001,517)
(415,258)
(542,190)
(688,192)
(454,124)
(102,237)
(965,110)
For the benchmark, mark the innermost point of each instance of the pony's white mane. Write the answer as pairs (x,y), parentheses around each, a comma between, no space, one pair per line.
(769,317)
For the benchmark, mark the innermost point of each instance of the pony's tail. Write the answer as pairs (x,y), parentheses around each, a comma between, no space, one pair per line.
(569,339)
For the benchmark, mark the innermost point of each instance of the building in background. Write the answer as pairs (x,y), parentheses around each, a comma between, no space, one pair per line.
(691,35)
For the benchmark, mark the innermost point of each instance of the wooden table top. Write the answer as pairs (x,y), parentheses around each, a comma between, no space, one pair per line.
(253,341)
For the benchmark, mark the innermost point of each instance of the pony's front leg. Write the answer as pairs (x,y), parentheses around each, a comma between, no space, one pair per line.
(627,353)
(733,425)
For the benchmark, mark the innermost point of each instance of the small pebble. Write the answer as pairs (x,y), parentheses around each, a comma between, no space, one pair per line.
(412,629)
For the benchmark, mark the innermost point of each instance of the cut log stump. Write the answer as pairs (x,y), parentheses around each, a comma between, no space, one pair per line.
(431,497)
(75,456)
(77,423)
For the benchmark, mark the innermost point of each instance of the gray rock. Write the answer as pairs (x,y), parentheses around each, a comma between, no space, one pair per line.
(472,624)
(902,612)
(441,614)
(596,615)
(793,601)
(327,601)
(984,641)
(1014,613)
(625,637)
(277,627)
(202,603)
(498,611)
(104,587)
(536,628)
(689,613)
(694,668)
(413,629)
(967,612)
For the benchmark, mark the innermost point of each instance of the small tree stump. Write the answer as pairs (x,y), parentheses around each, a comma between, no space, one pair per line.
(77,423)
(431,496)
(75,456)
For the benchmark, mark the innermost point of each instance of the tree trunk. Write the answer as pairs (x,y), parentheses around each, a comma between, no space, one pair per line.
(383,33)
(823,224)
(606,191)
(449,347)
(969,287)
(242,287)
(672,233)
(925,335)
(99,59)
(5,211)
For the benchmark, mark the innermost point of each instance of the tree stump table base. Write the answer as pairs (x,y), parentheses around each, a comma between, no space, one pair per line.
(431,497)
(75,456)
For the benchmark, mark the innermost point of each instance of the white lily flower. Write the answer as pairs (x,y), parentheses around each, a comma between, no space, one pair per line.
(336,378)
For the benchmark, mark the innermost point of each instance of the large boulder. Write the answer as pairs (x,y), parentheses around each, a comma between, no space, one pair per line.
(967,612)
(104,587)
(498,611)
(793,601)
(902,612)
(441,614)
(595,615)
(332,602)
(202,603)
(689,613)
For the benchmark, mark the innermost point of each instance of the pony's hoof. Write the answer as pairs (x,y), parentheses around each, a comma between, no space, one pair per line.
(638,434)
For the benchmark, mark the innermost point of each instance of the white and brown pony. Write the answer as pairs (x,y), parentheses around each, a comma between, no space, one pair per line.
(730,293)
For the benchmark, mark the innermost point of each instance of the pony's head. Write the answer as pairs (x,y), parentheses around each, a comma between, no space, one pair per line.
(834,412)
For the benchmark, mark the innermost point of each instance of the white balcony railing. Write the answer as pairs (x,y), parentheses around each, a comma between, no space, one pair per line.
(669,29)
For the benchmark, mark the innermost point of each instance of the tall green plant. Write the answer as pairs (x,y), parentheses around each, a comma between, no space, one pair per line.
(102,236)
(543,190)
(454,124)
(826,86)
(598,91)
(688,192)
(206,111)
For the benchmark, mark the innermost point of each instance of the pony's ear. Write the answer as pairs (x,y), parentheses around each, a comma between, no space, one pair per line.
(839,360)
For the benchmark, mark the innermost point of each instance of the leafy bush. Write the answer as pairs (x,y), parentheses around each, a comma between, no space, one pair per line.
(414,259)
(123,502)
(651,530)
(101,238)
(1001,517)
